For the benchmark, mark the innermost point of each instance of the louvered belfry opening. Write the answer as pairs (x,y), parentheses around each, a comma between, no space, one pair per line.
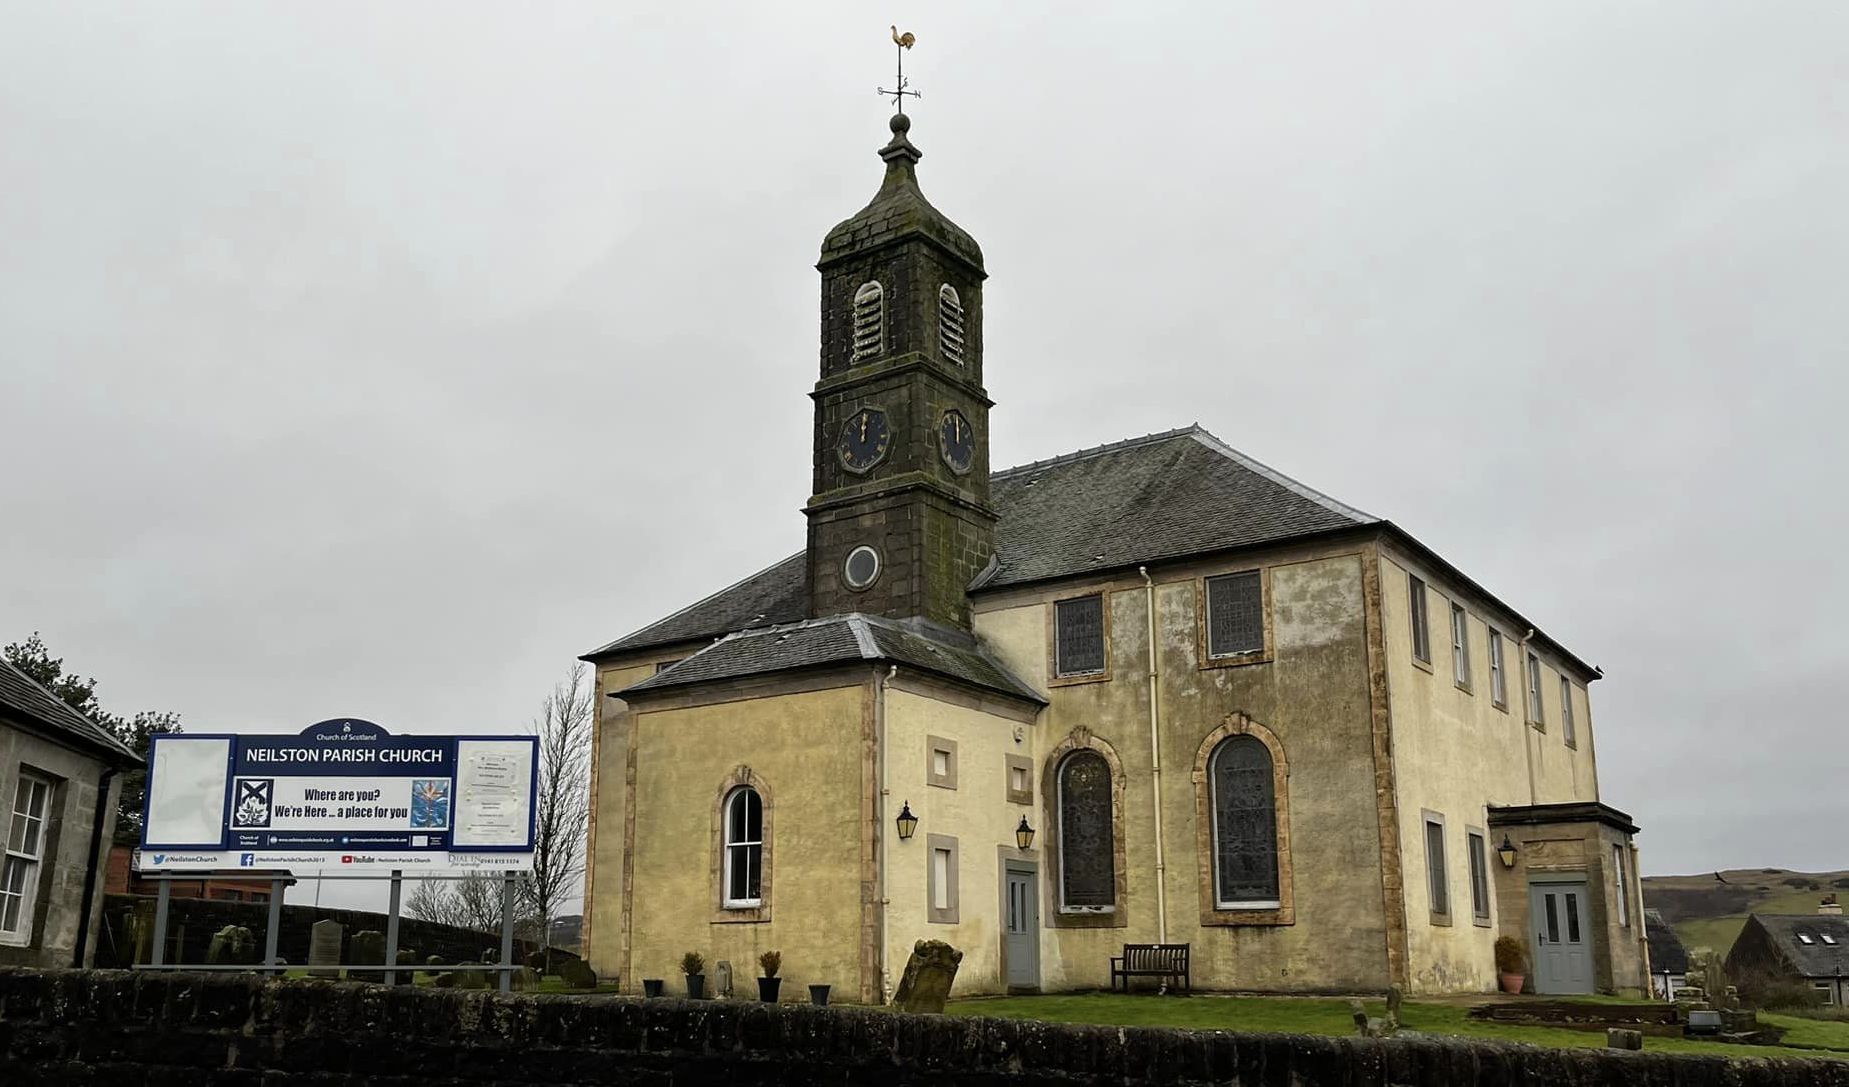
(950,324)
(869,321)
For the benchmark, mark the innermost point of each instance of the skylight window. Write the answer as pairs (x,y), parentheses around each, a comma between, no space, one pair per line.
(1805,939)
(1827,938)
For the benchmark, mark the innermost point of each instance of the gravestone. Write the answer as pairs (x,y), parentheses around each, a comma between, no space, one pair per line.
(1371,1027)
(722,979)
(232,945)
(1620,1038)
(407,959)
(928,973)
(366,949)
(473,979)
(578,974)
(324,948)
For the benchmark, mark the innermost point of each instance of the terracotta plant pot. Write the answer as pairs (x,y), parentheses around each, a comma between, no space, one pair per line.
(696,986)
(818,995)
(1512,983)
(767,989)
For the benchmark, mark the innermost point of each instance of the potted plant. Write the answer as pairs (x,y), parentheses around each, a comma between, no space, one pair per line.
(693,964)
(818,995)
(1509,958)
(653,986)
(770,962)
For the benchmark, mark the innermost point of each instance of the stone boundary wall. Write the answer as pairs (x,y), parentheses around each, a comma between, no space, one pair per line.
(123,1029)
(194,920)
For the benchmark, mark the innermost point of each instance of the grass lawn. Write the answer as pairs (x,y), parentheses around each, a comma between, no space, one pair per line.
(1306,1015)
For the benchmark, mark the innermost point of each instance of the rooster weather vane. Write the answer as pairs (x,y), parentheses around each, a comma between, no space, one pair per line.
(903,41)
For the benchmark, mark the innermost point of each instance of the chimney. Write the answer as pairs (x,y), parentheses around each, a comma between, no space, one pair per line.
(1829,905)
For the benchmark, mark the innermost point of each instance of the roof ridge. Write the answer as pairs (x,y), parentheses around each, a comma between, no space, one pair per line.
(1213,442)
(1108,447)
(613,643)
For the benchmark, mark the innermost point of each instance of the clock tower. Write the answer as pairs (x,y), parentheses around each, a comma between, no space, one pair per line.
(900,521)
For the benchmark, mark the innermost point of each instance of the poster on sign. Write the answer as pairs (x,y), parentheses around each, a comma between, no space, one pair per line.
(340,793)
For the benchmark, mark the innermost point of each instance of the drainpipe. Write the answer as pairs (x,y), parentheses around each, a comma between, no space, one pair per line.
(1521,654)
(879,733)
(96,863)
(1155,755)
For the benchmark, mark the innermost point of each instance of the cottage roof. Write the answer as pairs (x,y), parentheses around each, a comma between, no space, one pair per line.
(1667,955)
(1162,497)
(843,639)
(1817,945)
(23,698)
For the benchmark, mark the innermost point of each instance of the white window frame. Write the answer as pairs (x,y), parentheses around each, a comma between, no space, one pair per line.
(1536,712)
(732,848)
(1566,713)
(1828,990)
(1460,645)
(29,855)
(1624,891)
(1213,812)
(1417,595)
(1498,672)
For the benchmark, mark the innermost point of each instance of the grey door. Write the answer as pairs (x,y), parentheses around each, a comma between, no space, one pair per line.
(1562,934)
(1021,925)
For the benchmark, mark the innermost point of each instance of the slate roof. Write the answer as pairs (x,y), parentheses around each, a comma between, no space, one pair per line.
(1667,955)
(898,210)
(779,593)
(842,639)
(22,696)
(1817,959)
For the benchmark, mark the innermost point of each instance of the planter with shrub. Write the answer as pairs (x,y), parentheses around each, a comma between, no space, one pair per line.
(693,964)
(768,984)
(1509,962)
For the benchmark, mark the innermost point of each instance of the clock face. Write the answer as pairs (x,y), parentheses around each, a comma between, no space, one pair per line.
(956,441)
(864,440)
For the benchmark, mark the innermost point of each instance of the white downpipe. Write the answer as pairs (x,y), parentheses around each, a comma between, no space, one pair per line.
(1155,755)
(880,828)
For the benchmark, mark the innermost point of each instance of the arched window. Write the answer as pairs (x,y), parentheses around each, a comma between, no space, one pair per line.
(869,321)
(950,324)
(1087,849)
(1245,825)
(744,849)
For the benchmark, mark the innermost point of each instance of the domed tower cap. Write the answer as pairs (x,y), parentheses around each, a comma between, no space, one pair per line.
(899,209)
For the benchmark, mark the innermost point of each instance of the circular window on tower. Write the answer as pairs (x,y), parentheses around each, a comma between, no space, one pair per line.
(862,567)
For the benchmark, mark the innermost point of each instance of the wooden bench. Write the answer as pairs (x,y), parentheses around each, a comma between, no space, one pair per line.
(1165,961)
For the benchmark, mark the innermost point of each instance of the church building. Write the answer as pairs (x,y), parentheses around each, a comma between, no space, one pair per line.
(1148,692)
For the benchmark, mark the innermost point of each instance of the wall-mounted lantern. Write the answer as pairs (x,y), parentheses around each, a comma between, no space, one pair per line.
(1506,851)
(1024,835)
(908,823)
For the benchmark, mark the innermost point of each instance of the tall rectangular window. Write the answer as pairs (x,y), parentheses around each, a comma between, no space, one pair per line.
(1235,615)
(1460,645)
(1535,714)
(941,880)
(1624,894)
(1479,876)
(1498,675)
(1078,647)
(1421,626)
(23,857)
(1566,712)
(1437,883)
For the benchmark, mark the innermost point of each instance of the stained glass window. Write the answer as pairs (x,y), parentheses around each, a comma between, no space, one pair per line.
(1235,615)
(1087,861)
(1079,633)
(1245,824)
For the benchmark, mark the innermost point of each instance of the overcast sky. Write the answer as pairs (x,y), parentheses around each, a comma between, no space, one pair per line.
(377,359)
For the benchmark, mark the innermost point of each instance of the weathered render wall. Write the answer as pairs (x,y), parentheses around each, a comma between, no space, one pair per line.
(807,753)
(71,817)
(75,1027)
(1310,691)
(1455,753)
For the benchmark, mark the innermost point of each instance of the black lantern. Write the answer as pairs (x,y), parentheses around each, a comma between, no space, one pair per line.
(1024,835)
(908,823)
(1506,851)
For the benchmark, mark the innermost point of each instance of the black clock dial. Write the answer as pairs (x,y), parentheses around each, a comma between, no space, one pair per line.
(956,441)
(864,440)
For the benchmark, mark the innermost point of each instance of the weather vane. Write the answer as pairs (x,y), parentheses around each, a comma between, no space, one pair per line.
(903,41)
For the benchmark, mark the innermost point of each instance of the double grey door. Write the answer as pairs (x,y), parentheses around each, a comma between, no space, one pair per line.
(1021,925)
(1562,933)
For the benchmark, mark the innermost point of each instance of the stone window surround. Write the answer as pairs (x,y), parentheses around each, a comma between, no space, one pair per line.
(741,775)
(947,779)
(1419,618)
(36,887)
(1534,690)
(1082,738)
(949,914)
(1285,913)
(1203,655)
(1010,764)
(1429,818)
(1479,853)
(1567,731)
(1498,656)
(1054,679)
(1461,674)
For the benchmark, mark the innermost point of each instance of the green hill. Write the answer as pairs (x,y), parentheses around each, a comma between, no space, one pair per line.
(1708,912)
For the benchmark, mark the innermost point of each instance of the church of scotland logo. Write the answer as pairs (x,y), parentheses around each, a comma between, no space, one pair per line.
(252,806)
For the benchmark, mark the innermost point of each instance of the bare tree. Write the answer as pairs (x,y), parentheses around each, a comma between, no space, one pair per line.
(563,802)
(473,902)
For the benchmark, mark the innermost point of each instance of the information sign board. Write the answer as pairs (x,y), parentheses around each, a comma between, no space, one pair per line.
(340,793)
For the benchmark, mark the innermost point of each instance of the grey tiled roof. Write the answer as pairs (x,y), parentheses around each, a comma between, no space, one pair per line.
(1164,496)
(22,696)
(1816,959)
(1667,955)
(841,639)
